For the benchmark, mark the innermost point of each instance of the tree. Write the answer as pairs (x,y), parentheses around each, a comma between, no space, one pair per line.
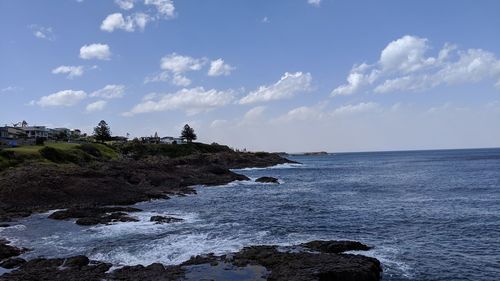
(102,132)
(188,133)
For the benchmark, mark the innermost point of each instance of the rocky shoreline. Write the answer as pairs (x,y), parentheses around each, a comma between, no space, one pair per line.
(92,194)
(316,260)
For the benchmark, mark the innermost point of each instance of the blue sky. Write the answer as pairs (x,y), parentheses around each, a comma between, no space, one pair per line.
(293,75)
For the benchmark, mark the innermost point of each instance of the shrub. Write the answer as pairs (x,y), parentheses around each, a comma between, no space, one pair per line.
(90,149)
(53,154)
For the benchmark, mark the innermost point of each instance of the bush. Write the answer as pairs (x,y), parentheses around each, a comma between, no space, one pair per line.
(39,141)
(90,149)
(53,154)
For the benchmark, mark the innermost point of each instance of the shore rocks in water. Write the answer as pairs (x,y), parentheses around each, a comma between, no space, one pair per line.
(281,265)
(96,215)
(335,246)
(7,251)
(267,180)
(59,270)
(164,219)
(12,263)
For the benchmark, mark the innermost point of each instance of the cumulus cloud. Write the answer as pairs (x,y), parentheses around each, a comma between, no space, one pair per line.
(315,3)
(288,86)
(71,71)
(218,67)
(109,92)
(192,101)
(96,106)
(129,23)
(125,4)
(174,67)
(404,66)
(180,64)
(95,51)
(163,9)
(41,32)
(64,98)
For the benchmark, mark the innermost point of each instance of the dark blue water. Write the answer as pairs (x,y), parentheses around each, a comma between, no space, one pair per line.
(431,215)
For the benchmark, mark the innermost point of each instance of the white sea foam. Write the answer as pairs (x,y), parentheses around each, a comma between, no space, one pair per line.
(144,225)
(175,249)
(389,260)
(278,166)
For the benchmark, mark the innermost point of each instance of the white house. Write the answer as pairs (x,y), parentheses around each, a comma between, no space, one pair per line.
(172,140)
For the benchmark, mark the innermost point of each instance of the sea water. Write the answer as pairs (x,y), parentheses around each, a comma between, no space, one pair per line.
(430,215)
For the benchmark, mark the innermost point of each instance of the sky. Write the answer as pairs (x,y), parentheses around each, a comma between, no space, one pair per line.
(281,75)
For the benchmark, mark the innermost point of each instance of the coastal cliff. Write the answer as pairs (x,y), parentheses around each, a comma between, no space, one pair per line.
(86,189)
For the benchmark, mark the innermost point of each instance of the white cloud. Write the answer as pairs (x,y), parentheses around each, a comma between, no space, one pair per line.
(181,80)
(160,77)
(125,4)
(288,86)
(129,23)
(315,3)
(95,51)
(405,55)
(96,106)
(218,123)
(193,101)
(71,71)
(404,66)
(357,108)
(254,113)
(63,98)
(180,64)
(42,32)
(265,20)
(109,92)
(11,89)
(165,8)
(218,68)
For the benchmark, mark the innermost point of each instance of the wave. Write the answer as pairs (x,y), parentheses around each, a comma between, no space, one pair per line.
(278,166)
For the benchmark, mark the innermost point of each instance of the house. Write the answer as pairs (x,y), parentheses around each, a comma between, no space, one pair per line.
(34,132)
(172,140)
(11,132)
(12,136)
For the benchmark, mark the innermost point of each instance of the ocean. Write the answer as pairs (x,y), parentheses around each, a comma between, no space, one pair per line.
(430,215)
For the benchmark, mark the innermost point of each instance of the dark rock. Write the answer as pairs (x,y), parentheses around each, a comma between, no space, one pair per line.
(302,266)
(162,219)
(281,266)
(77,261)
(7,251)
(53,270)
(152,272)
(96,215)
(12,263)
(267,180)
(335,246)
(36,187)
(4,225)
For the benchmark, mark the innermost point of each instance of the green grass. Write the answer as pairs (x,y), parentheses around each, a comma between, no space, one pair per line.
(56,153)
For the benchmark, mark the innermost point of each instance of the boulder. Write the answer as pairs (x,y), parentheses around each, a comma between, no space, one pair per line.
(164,219)
(267,180)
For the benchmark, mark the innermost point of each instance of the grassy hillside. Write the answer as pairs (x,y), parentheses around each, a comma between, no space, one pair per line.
(66,153)
(56,153)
